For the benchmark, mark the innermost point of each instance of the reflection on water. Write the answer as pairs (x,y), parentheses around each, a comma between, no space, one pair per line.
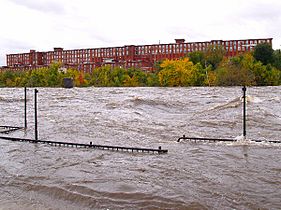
(242,175)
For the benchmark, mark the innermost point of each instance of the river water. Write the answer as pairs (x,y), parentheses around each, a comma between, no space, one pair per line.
(242,175)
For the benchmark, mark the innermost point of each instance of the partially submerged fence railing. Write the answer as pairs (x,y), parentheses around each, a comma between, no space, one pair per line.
(8,129)
(90,145)
(207,139)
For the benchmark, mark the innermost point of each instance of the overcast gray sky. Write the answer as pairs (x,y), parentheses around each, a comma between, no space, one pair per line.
(72,24)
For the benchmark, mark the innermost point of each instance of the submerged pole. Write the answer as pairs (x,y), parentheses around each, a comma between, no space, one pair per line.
(35,114)
(25,109)
(244,111)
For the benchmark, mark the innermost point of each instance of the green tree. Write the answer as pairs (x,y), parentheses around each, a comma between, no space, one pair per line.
(253,72)
(277,59)
(197,57)
(199,75)
(53,76)
(106,76)
(140,75)
(233,75)
(7,78)
(130,81)
(37,78)
(214,54)
(264,53)
(266,75)
(152,80)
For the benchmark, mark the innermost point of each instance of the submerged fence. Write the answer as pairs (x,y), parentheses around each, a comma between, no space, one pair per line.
(207,139)
(8,129)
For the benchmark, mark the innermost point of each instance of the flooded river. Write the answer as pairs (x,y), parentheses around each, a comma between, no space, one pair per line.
(240,175)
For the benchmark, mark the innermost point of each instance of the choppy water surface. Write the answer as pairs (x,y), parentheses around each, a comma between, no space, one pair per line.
(191,176)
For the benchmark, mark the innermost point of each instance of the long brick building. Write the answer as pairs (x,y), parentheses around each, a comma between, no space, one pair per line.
(139,56)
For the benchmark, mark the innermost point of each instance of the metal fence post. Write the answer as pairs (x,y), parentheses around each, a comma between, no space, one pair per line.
(35,114)
(25,108)
(244,111)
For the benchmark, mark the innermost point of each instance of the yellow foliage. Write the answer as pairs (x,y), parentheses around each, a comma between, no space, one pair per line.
(179,64)
(131,81)
(210,79)
(176,72)
(248,60)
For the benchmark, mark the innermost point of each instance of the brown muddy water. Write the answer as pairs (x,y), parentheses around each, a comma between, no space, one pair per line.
(192,175)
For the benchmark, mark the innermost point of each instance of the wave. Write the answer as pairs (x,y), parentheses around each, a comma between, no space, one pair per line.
(82,196)
(137,101)
(112,105)
(237,102)
(275,99)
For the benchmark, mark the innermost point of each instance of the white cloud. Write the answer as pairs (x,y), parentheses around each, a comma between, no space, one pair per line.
(44,24)
(41,5)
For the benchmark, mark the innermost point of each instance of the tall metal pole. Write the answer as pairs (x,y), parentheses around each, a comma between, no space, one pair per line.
(25,109)
(244,111)
(35,109)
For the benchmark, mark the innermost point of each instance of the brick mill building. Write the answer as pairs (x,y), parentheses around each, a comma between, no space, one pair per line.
(138,56)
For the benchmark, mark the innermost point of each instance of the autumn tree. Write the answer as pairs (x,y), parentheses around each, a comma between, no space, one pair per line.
(245,70)
(180,72)
(233,75)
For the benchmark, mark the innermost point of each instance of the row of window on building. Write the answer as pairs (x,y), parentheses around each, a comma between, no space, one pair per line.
(127,52)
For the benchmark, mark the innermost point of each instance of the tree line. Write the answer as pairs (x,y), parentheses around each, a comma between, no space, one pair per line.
(208,68)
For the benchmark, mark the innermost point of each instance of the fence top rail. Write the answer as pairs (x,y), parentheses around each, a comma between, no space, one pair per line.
(115,148)
(8,127)
(222,140)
